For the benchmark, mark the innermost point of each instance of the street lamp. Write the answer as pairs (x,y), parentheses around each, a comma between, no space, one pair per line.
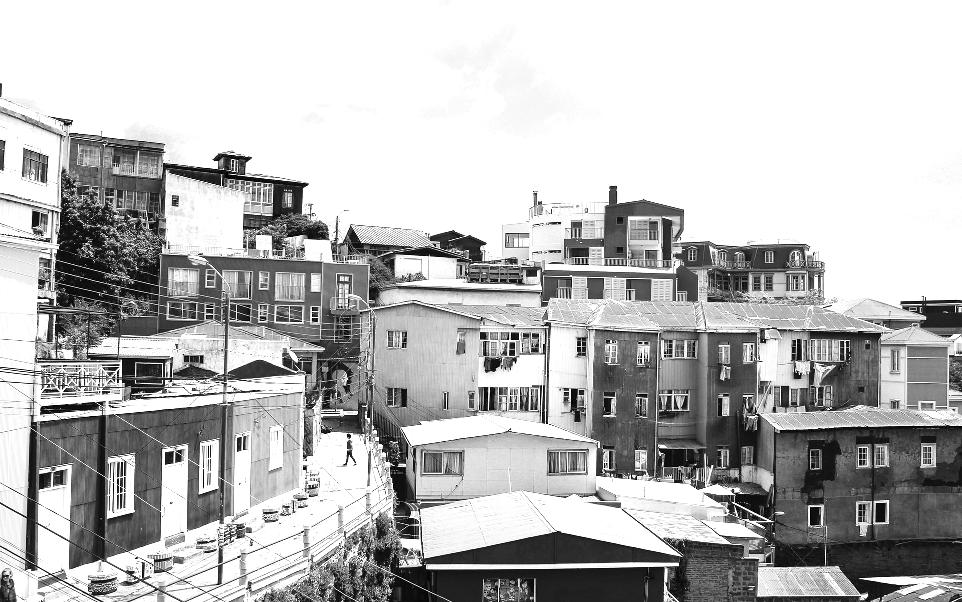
(198,260)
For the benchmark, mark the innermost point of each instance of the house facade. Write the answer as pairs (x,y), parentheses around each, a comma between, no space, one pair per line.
(444,291)
(125,174)
(203,215)
(270,196)
(475,456)
(914,370)
(428,263)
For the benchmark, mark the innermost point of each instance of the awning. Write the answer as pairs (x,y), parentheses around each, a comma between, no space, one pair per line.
(680,444)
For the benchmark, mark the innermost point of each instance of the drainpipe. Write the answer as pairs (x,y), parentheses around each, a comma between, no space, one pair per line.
(657,397)
(547,374)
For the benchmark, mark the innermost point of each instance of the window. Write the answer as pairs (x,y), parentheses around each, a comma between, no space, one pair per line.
(397,339)
(572,400)
(344,284)
(676,349)
(821,396)
(722,456)
(511,399)
(693,254)
(148,166)
(815,458)
(830,350)
(748,353)
(581,346)
(641,405)
(263,312)
(263,281)
(567,462)
(193,359)
(674,400)
(881,512)
(88,155)
(289,314)
(182,282)
(611,352)
(3,150)
(344,329)
(796,282)
(507,590)
(861,456)
(232,165)
(289,286)
(210,311)
(179,310)
(276,458)
(748,455)
(499,344)
(769,256)
(641,460)
(210,278)
(928,455)
(120,485)
(723,256)
(896,361)
(461,343)
(608,459)
(516,241)
(609,403)
(34,166)
(50,478)
(209,469)
(679,296)
(756,282)
(816,515)
(862,512)
(895,404)
(442,462)
(798,350)
(643,353)
(315,314)
(724,404)
(445,398)
(471,404)
(238,283)
(769,282)
(174,199)
(531,343)
(397,397)
(881,455)
(240,312)
(262,195)
(287,201)
(724,354)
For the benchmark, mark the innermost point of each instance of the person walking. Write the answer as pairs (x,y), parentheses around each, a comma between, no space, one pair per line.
(8,592)
(350,453)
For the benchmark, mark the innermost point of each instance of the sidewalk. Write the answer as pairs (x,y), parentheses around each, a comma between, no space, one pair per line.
(275,553)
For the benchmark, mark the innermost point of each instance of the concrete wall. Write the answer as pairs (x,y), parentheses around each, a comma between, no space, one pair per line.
(206,215)
(523,296)
(520,253)
(427,266)
(892,389)
(598,585)
(566,370)
(499,464)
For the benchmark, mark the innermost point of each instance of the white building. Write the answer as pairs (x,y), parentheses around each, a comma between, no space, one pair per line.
(441,291)
(201,214)
(914,370)
(31,149)
(475,456)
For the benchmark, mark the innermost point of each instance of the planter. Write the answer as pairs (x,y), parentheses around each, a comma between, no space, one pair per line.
(225,534)
(270,515)
(163,561)
(300,499)
(102,583)
(240,530)
(287,509)
(207,543)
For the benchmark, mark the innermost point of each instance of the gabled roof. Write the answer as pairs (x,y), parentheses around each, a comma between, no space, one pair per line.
(678,527)
(798,317)
(922,588)
(389,236)
(425,251)
(214,329)
(509,315)
(259,369)
(862,417)
(194,373)
(466,238)
(469,427)
(496,519)
(649,316)
(230,153)
(804,582)
(913,335)
(871,309)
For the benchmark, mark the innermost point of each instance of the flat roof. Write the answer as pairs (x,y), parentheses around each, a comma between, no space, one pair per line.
(681,527)
(656,490)
(862,417)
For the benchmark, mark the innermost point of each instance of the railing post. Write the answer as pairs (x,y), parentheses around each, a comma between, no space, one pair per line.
(242,578)
(161,589)
(340,519)
(307,542)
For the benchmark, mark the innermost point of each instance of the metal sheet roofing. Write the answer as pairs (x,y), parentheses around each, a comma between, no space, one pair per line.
(913,335)
(390,236)
(923,588)
(804,582)
(872,309)
(862,417)
(453,429)
(495,519)
(798,317)
(508,315)
(679,527)
(656,490)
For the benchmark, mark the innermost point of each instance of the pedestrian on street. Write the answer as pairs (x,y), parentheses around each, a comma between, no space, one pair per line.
(350,455)
(8,593)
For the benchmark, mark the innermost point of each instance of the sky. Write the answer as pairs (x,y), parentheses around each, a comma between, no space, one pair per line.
(836,124)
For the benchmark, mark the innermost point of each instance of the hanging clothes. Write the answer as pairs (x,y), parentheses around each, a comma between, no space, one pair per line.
(507,362)
(725,373)
(821,371)
(802,368)
(491,364)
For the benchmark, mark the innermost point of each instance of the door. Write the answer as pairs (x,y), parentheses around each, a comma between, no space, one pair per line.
(242,472)
(344,286)
(173,496)
(596,256)
(53,518)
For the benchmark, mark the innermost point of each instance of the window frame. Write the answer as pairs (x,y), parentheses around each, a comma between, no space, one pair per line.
(867,461)
(558,452)
(445,400)
(722,452)
(315,314)
(234,294)
(750,460)
(724,354)
(609,404)
(895,361)
(670,349)
(611,352)
(263,313)
(876,504)
(821,515)
(815,458)
(192,284)
(263,280)
(641,460)
(210,278)
(641,405)
(930,446)
(393,342)
(282,291)
(749,353)
(183,304)
(692,254)
(444,453)
(884,449)
(277,319)
(643,354)
(208,466)
(769,257)
(275,442)
(130,493)
(581,346)
(723,405)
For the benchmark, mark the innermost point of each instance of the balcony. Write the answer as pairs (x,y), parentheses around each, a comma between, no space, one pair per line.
(730,264)
(582,233)
(79,381)
(642,235)
(564,292)
(806,264)
(359,259)
(658,264)
(344,306)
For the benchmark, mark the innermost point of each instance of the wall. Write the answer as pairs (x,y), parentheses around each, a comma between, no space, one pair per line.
(520,253)
(427,266)
(637,279)
(520,295)
(892,384)
(598,585)
(856,381)
(727,430)
(499,464)
(565,370)
(21,127)
(927,375)
(711,572)
(527,371)
(206,215)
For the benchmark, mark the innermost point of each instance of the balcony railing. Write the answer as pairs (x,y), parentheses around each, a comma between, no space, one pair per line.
(297,254)
(344,306)
(620,262)
(564,292)
(806,263)
(350,259)
(581,233)
(642,235)
(79,381)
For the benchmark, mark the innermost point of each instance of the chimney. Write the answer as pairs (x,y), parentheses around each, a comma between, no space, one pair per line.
(1,90)
(534,193)
(612,195)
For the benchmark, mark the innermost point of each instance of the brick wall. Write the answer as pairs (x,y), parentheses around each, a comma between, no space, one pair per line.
(711,572)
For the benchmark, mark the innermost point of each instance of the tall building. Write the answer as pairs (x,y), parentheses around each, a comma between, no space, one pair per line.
(270,196)
(126,174)
(31,149)
(751,272)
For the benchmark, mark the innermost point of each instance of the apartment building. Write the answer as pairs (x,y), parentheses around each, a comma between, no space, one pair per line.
(755,271)
(914,371)
(126,174)
(860,478)
(270,196)
(942,316)
(31,149)
(302,296)
(449,361)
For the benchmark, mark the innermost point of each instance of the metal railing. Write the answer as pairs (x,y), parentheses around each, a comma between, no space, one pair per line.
(62,379)
(584,233)
(805,263)
(643,234)
(564,292)
(657,264)
(344,303)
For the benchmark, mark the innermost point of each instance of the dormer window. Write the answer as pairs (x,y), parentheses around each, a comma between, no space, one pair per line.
(769,256)
(739,256)
(723,255)
(693,254)
(232,165)
(795,258)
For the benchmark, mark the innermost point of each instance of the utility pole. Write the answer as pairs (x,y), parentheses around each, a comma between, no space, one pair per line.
(223,432)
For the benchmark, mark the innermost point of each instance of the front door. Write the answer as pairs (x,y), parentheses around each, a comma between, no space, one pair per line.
(344,286)
(173,496)
(53,518)
(242,472)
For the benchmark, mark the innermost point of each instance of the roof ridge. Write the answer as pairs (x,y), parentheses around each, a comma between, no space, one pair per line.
(527,497)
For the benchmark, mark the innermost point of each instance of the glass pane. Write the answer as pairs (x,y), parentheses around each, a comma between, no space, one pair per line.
(432,463)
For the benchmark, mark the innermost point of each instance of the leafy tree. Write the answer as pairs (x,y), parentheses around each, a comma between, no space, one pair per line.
(955,373)
(294,224)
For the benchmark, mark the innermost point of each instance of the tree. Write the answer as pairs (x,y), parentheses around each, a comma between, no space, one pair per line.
(955,373)
(294,224)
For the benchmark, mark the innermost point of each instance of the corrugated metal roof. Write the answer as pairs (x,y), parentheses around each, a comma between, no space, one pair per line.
(913,335)
(798,317)
(804,582)
(453,429)
(679,493)
(389,236)
(504,314)
(923,588)
(495,519)
(862,417)
(872,309)
(682,527)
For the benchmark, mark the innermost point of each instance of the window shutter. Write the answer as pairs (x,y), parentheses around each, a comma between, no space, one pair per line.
(579,287)
(404,397)
(661,289)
